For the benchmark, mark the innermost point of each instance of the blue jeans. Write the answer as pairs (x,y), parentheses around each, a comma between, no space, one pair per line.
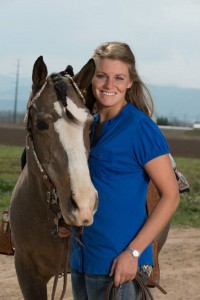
(93,287)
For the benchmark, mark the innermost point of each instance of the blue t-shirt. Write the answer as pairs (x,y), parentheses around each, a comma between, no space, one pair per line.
(116,162)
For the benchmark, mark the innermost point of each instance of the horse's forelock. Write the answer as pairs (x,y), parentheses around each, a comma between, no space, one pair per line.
(60,87)
(61,92)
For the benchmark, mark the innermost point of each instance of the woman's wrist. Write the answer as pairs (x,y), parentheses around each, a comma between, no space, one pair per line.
(134,252)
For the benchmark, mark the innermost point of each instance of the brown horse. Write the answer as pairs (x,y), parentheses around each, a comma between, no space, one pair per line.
(55,181)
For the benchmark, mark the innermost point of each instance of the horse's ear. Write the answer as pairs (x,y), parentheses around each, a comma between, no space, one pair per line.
(40,72)
(84,76)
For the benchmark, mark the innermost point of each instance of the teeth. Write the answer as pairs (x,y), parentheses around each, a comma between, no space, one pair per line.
(108,94)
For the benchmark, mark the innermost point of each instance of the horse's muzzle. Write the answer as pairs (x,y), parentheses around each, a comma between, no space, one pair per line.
(81,214)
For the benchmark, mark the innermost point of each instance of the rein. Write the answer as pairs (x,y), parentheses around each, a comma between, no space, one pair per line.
(65,244)
(52,198)
(146,294)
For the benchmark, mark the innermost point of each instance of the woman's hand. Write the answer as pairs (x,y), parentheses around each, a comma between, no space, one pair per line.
(124,268)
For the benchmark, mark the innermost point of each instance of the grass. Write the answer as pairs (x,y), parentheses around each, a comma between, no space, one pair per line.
(187,214)
(9,172)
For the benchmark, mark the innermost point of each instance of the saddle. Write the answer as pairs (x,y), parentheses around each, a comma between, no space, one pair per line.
(152,199)
(5,235)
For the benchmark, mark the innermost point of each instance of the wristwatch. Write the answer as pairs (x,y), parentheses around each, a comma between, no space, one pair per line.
(134,252)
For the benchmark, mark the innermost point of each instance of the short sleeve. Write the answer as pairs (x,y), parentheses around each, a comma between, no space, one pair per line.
(149,142)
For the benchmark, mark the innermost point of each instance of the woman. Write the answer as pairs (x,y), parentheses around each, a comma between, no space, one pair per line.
(127,149)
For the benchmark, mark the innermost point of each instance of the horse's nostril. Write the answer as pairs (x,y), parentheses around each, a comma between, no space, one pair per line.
(85,222)
(74,204)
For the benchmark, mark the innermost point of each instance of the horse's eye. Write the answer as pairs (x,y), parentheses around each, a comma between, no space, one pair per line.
(42,125)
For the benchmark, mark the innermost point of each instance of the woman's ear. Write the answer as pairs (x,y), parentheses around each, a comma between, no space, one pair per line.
(130,85)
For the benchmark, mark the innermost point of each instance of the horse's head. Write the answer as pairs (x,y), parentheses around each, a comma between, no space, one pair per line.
(60,124)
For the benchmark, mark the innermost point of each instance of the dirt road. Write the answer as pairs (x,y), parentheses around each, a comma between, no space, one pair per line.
(179,262)
(180,145)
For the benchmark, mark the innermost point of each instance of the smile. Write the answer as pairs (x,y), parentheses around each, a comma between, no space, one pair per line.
(108,94)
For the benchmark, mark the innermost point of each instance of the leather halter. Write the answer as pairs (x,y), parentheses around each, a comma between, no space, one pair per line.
(52,198)
(51,194)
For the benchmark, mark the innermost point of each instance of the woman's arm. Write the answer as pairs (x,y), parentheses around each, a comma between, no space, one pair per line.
(161,173)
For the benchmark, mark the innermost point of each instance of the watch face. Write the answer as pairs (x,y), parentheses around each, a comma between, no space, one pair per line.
(136,253)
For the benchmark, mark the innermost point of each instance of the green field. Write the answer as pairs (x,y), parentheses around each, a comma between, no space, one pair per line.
(187,215)
(9,172)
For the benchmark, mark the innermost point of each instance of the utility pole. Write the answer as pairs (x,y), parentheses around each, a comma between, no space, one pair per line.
(16,93)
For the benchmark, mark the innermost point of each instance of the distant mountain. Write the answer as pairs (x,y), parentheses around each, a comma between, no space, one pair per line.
(170,101)
(177,103)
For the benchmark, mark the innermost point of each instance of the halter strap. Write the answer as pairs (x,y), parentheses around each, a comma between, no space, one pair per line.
(76,88)
(32,102)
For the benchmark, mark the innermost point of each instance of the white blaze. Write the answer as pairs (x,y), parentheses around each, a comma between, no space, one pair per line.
(71,137)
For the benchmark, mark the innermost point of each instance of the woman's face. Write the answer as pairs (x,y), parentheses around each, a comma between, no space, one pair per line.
(110,82)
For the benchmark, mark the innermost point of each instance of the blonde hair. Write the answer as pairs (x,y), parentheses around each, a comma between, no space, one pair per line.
(138,94)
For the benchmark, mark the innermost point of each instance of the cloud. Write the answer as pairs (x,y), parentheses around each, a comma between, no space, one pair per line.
(164,35)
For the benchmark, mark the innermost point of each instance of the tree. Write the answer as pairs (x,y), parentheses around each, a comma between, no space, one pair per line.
(162,121)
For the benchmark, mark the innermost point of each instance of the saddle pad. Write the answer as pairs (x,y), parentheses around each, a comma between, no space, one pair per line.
(5,235)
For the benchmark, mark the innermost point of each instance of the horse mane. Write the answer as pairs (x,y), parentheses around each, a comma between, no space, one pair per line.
(61,92)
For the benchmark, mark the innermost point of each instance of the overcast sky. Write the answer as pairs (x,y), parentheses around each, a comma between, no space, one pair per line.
(163,34)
